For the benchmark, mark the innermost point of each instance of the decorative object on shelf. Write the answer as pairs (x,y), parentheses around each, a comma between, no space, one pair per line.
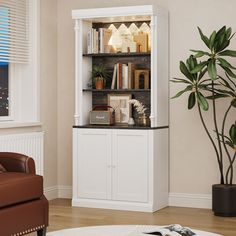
(142,42)
(143,120)
(128,47)
(99,76)
(215,86)
(120,102)
(145,28)
(102,115)
(130,37)
(131,121)
(141,79)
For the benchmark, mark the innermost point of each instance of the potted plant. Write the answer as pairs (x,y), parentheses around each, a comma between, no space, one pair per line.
(208,81)
(143,120)
(99,76)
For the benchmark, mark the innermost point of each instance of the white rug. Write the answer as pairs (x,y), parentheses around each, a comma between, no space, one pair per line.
(116,230)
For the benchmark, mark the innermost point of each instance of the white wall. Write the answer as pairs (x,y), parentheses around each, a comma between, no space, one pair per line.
(193,167)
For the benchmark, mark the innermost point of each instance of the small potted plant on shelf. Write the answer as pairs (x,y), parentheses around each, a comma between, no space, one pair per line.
(208,81)
(99,76)
(143,120)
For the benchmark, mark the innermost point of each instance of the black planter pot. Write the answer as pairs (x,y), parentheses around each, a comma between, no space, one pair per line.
(224,200)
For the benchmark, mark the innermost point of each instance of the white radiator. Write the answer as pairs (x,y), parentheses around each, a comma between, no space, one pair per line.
(30,144)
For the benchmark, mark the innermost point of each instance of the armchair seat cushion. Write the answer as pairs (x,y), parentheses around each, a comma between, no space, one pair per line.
(19,187)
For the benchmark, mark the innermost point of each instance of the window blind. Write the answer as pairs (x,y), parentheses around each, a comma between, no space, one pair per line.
(14,32)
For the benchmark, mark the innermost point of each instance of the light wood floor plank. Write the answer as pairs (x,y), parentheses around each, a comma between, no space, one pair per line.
(62,216)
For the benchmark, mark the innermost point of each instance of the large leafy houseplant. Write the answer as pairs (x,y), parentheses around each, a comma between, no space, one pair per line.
(209,77)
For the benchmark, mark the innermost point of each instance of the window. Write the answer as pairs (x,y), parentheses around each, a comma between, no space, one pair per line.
(4,65)
(19,44)
(4,90)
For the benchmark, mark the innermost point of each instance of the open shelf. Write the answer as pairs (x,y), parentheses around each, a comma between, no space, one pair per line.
(116,90)
(133,54)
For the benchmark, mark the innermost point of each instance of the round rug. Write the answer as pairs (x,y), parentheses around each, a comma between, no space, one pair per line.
(116,230)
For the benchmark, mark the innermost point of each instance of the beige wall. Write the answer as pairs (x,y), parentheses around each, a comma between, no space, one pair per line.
(48,90)
(48,76)
(193,166)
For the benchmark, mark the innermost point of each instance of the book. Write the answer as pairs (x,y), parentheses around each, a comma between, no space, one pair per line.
(89,42)
(119,75)
(94,40)
(105,36)
(131,68)
(91,38)
(171,230)
(113,83)
(124,76)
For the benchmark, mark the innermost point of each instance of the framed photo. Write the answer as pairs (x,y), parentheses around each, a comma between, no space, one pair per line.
(120,102)
(141,79)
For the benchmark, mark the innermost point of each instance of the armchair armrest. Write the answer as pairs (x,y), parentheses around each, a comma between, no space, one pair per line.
(15,162)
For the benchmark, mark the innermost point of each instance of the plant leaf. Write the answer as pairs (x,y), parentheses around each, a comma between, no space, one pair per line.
(229,144)
(233,102)
(226,84)
(199,67)
(188,88)
(178,80)
(229,53)
(224,45)
(204,38)
(202,73)
(230,80)
(228,32)
(185,71)
(212,69)
(200,53)
(216,96)
(220,36)
(202,101)
(232,133)
(212,39)
(226,92)
(228,71)
(224,63)
(191,100)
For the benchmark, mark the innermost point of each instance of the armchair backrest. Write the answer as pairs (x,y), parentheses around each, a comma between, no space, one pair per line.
(16,162)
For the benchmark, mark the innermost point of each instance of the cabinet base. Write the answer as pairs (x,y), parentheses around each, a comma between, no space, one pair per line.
(115,205)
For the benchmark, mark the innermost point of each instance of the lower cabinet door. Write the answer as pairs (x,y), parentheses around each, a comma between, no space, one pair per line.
(94,163)
(130,165)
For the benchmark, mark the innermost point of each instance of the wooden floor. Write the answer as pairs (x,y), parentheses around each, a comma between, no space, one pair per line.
(62,216)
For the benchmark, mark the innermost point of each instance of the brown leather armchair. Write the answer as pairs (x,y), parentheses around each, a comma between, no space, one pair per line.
(23,207)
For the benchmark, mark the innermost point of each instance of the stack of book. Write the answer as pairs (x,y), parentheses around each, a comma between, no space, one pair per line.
(98,41)
(123,76)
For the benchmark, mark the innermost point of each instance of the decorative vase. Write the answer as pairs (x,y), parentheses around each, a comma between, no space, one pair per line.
(224,200)
(99,83)
(143,121)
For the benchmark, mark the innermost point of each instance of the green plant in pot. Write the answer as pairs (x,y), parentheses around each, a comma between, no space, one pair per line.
(208,78)
(99,76)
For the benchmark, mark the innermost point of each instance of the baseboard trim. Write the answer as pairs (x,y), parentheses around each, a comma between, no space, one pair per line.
(64,191)
(175,199)
(190,200)
(115,205)
(51,192)
(59,191)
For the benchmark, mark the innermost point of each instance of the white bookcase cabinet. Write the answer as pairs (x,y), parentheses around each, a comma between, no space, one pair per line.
(121,167)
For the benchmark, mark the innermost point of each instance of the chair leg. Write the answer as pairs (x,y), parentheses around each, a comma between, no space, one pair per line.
(42,232)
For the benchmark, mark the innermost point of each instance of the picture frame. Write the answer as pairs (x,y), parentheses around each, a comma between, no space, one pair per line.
(141,79)
(122,107)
